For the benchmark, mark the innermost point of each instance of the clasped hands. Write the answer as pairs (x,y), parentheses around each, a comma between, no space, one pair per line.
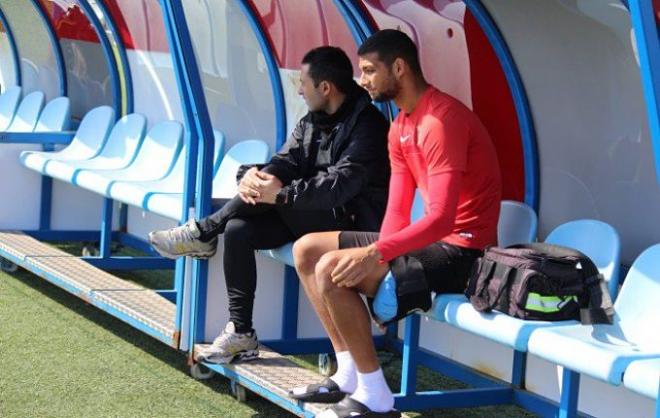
(258,187)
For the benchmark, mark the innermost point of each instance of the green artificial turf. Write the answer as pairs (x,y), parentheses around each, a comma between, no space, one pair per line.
(60,357)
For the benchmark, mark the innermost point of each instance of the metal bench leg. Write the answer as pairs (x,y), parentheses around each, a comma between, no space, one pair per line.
(570,387)
(290,311)
(519,369)
(410,357)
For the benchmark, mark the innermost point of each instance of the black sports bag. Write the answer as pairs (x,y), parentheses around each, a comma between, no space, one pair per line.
(540,281)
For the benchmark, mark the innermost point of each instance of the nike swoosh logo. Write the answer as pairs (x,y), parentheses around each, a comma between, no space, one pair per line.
(404,138)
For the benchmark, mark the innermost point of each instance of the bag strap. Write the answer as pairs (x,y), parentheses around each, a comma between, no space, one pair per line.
(600,309)
(504,285)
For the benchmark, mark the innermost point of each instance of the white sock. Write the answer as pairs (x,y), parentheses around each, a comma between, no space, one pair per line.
(373,392)
(346,375)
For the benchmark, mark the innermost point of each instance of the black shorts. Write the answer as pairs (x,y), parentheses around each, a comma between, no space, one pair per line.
(446,267)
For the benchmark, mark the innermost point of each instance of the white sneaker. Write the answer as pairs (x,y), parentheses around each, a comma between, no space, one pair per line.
(231,345)
(182,241)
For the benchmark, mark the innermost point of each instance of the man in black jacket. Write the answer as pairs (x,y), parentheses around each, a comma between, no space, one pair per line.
(331,174)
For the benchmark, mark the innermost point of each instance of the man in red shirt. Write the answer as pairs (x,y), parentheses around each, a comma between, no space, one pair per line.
(438,146)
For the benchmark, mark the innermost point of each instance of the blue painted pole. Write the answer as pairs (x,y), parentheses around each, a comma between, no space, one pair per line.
(123,217)
(410,351)
(519,369)
(190,168)
(123,57)
(199,121)
(570,387)
(107,53)
(106,229)
(290,307)
(648,48)
(521,103)
(13,46)
(46,204)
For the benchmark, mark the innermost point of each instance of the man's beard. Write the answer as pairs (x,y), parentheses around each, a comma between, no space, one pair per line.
(387,95)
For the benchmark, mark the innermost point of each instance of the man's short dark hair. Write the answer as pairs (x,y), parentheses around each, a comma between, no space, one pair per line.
(391,44)
(329,63)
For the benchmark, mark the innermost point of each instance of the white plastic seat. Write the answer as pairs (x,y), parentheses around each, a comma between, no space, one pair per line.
(87,142)
(643,377)
(604,351)
(135,193)
(118,152)
(8,103)
(514,332)
(252,151)
(283,254)
(27,113)
(154,159)
(55,116)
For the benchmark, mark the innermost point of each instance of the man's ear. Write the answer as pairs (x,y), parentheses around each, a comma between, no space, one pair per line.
(326,87)
(398,67)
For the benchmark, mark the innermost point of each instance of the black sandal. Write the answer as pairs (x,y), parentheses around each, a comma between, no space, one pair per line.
(350,408)
(325,392)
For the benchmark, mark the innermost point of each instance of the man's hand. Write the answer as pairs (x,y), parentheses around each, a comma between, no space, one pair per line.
(269,186)
(248,187)
(355,265)
(258,187)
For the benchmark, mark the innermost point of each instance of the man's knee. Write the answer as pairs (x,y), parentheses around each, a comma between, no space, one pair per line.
(238,229)
(306,254)
(323,274)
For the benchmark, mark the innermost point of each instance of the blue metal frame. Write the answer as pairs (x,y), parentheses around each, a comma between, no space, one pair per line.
(648,47)
(273,71)
(57,47)
(570,387)
(107,52)
(199,129)
(63,138)
(121,50)
(517,88)
(13,46)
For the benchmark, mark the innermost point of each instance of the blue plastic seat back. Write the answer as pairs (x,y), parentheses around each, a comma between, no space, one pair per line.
(159,149)
(517,223)
(55,117)
(597,240)
(27,113)
(637,306)
(251,151)
(124,140)
(8,103)
(92,133)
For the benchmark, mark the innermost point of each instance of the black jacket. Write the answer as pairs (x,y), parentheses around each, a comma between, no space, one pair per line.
(338,162)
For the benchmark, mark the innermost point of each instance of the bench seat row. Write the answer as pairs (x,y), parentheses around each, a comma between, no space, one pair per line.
(123,161)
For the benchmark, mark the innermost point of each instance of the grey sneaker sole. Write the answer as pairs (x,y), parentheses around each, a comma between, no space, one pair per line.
(240,356)
(200,255)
